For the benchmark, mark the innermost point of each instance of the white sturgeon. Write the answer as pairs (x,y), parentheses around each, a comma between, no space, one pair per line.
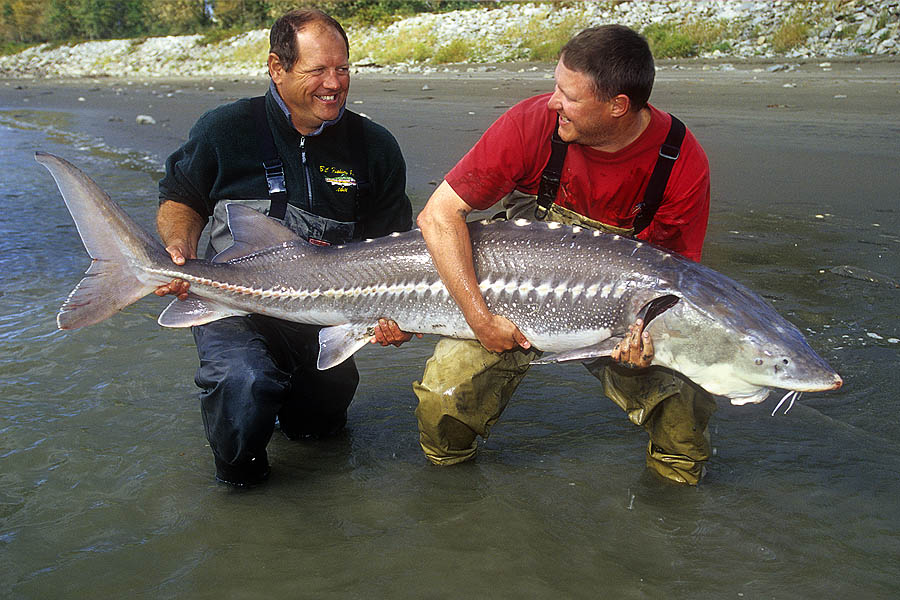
(573,292)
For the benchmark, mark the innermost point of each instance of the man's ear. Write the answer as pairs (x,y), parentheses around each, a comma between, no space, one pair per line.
(276,69)
(621,104)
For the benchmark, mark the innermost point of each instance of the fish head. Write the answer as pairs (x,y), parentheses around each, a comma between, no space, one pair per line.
(785,362)
(739,354)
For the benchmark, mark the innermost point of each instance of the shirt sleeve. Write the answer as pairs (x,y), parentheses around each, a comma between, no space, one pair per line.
(681,220)
(494,166)
(191,172)
(391,208)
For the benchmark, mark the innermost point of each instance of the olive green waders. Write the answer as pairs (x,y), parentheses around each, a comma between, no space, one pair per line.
(465,388)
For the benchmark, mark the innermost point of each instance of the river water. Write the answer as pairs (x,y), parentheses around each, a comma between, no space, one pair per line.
(105,476)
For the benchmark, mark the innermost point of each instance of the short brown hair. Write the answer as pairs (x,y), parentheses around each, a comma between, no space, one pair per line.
(617,59)
(283,36)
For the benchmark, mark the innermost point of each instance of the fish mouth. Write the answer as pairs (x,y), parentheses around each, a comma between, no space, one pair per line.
(754,397)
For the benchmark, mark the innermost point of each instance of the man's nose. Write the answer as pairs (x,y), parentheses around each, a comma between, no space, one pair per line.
(333,80)
(553,103)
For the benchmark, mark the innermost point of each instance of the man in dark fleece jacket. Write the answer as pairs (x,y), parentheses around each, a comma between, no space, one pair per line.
(330,175)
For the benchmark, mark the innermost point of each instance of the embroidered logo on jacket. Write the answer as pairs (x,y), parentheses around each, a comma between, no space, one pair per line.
(341,179)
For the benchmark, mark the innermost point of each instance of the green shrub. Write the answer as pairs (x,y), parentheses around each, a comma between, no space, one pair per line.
(667,41)
(848,32)
(708,34)
(790,34)
(214,36)
(257,52)
(456,51)
(541,40)
(415,45)
(7,48)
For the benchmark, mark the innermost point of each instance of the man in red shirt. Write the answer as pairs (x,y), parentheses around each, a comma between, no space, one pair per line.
(613,140)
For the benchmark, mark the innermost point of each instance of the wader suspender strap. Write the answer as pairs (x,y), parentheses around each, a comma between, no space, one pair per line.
(271,163)
(360,161)
(550,178)
(668,154)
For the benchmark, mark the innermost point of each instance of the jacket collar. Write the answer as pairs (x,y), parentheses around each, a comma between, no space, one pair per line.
(287,113)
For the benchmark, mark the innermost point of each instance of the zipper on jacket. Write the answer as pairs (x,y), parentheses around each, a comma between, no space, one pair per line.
(309,196)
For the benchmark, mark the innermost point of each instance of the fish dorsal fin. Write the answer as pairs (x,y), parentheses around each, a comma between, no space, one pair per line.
(338,343)
(252,231)
(194,311)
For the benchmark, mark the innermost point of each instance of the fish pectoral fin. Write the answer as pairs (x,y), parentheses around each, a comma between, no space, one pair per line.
(585,354)
(195,311)
(656,307)
(340,342)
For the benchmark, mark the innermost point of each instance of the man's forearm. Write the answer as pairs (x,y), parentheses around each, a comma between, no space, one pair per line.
(443,225)
(180,225)
(451,251)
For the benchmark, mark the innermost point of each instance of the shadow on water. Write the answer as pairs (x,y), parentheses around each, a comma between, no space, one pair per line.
(105,477)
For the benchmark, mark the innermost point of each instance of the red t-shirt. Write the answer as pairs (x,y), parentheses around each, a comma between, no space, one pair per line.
(604,186)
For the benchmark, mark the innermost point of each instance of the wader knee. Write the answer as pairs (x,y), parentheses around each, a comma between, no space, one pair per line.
(674,411)
(239,421)
(462,393)
(679,438)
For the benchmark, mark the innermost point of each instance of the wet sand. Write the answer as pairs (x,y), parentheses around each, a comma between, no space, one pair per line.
(761,129)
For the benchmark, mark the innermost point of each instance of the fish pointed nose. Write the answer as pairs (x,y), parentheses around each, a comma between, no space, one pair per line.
(838,382)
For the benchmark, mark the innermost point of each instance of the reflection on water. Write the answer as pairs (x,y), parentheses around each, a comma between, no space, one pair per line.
(57,128)
(106,481)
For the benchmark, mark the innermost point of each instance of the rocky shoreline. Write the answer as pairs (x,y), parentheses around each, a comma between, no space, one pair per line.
(858,29)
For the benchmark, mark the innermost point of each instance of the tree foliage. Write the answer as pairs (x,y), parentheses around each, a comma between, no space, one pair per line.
(31,21)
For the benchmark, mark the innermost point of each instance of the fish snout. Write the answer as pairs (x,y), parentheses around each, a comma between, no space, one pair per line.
(838,382)
(824,384)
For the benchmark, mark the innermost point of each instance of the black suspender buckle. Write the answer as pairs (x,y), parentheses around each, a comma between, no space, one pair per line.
(546,193)
(670,151)
(275,176)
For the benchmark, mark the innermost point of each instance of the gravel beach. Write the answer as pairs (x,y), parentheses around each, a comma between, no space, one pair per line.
(836,106)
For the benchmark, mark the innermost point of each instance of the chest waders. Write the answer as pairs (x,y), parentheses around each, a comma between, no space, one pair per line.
(465,387)
(311,227)
(673,411)
(547,208)
(256,369)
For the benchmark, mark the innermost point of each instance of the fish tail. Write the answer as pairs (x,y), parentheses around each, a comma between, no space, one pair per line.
(117,245)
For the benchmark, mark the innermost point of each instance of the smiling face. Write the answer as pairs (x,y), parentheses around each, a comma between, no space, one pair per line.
(583,118)
(315,89)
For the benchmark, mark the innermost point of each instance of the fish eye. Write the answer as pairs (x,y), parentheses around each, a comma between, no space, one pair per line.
(758,361)
(785,361)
